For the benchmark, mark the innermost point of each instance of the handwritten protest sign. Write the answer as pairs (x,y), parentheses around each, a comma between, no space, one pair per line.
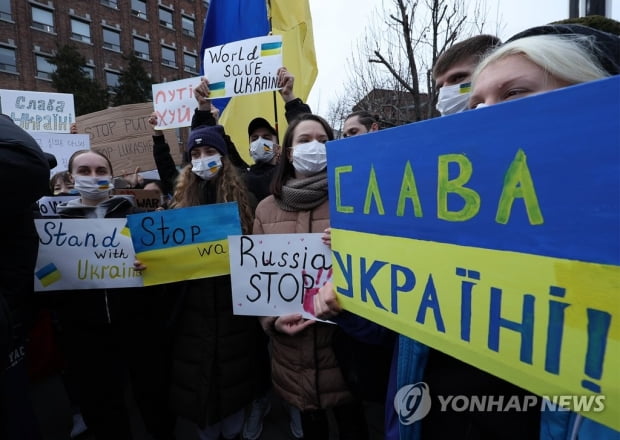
(47,205)
(271,274)
(62,146)
(494,236)
(79,254)
(148,199)
(243,67)
(124,135)
(174,102)
(38,111)
(184,244)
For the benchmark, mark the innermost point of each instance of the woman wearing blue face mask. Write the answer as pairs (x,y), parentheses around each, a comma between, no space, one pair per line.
(305,371)
(110,335)
(214,369)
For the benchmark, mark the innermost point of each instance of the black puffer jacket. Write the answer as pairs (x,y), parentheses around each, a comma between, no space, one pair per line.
(214,354)
(25,170)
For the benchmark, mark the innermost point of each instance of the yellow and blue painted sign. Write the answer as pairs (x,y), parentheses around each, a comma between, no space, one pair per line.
(494,236)
(183,244)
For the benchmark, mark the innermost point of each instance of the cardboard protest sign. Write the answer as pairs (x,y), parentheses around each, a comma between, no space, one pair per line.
(38,111)
(494,236)
(47,205)
(184,244)
(148,199)
(79,254)
(124,135)
(243,67)
(174,102)
(62,146)
(274,274)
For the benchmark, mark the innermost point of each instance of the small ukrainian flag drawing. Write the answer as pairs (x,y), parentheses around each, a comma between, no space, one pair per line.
(217,89)
(48,274)
(465,88)
(267,49)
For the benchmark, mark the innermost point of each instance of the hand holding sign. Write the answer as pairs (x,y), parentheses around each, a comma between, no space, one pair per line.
(244,67)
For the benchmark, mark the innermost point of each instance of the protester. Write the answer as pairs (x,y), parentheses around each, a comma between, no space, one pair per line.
(110,334)
(61,184)
(214,351)
(359,122)
(302,347)
(453,69)
(24,171)
(532,62)
(414,360)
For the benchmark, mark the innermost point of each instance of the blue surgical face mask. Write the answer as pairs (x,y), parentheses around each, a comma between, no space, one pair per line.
(207,167)
(453,99)
(93,188)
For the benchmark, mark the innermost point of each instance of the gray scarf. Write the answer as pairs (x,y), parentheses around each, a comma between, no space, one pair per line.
(304,194)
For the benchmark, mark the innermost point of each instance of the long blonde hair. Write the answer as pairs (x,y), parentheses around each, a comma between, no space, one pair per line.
(189,191)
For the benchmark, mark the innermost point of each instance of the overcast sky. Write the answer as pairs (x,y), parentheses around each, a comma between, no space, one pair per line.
(339,24)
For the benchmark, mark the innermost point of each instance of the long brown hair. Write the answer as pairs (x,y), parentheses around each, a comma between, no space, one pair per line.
(188,191)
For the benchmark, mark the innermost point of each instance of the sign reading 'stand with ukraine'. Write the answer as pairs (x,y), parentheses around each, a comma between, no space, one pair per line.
(494,236)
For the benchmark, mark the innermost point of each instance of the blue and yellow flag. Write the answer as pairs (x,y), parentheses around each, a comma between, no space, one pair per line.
(233,20)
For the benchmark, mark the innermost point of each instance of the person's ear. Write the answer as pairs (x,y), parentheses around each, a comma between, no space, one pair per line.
(374,127)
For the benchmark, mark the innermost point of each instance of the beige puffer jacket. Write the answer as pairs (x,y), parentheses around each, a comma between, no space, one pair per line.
(305,372)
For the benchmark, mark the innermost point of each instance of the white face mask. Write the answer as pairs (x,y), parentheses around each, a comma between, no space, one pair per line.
(93,188)
(207,167)
(262,150)
(453,99)
(309,158)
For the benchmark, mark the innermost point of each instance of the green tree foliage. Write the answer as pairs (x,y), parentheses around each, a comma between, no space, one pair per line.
(134,83)
(71,77)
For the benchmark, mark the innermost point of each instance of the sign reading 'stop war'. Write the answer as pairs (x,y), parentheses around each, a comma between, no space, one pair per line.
(39,111)
(243,67)
(493,235)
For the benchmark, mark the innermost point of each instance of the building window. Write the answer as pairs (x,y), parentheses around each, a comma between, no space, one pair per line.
(111,40)
(168,57)
(111,80)
(80,30)
(165,18)
(5,10)
(110,3)
(138,8)
(188,26)
(190,62)
(44,68)
(141,48)
(90,71)
(42,19)
(7,60)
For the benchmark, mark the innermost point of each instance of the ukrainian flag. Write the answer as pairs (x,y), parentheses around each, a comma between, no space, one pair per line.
(48,274)
(267,49)
(217,89)
(234,20)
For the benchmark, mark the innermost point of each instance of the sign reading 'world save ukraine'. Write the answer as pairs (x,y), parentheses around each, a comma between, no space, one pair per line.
(494,236)
(243,67)
(184,244)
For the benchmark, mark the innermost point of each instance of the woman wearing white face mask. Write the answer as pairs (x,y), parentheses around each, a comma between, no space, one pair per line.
(214,351)
(107,335)
(305,371)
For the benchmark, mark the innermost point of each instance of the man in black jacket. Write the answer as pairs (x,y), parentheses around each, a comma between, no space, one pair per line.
(25,169)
